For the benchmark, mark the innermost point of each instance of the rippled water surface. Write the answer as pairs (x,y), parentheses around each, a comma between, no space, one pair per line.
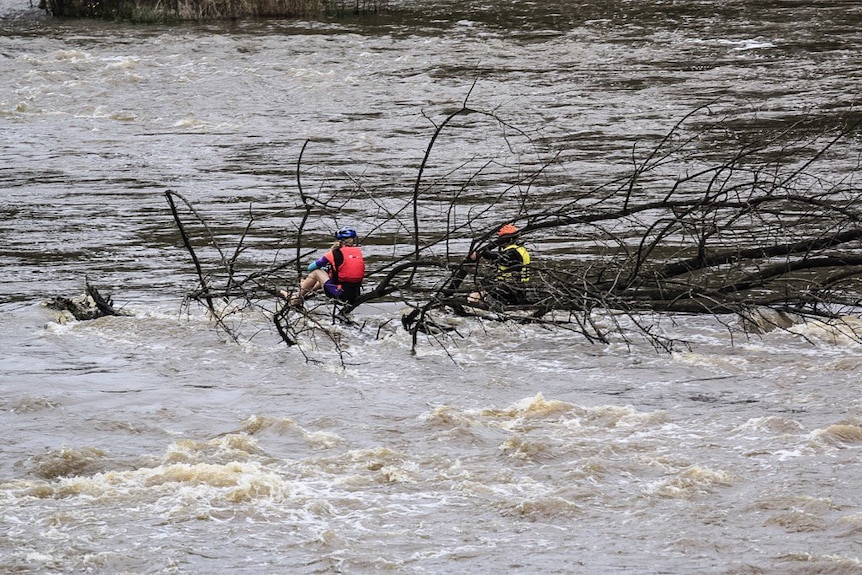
(151,443)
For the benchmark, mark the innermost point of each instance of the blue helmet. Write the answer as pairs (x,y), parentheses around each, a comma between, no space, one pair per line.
(345,233)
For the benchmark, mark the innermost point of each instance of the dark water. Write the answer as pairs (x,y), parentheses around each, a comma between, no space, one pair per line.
(154,444)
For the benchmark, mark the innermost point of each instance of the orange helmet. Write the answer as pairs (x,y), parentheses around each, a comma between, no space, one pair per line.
(507,230)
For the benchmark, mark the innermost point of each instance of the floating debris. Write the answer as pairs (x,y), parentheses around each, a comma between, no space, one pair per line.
(90,305)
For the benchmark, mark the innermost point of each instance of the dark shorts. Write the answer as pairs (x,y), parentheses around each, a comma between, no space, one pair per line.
(347,292)
(508,294)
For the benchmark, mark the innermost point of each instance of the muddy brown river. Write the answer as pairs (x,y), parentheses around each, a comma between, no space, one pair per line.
(151,443)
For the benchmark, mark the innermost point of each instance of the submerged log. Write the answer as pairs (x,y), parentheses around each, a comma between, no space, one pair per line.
(764,319)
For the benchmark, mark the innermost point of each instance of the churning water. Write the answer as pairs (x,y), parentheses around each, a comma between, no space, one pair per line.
(151,443)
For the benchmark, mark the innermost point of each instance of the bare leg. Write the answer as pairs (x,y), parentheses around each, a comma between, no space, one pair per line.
(476,297)
(312,282)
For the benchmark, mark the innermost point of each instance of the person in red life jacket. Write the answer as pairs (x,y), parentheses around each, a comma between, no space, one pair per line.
(509,285)
(339,272)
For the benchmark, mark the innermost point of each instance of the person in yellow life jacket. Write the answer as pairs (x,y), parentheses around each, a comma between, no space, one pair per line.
(513,269)
(339,272)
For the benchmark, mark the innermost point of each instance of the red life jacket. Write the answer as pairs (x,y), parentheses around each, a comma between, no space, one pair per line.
(348,266)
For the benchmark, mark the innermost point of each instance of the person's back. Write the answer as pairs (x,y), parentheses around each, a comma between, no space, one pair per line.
(347,272)
(339,272)
(513,270)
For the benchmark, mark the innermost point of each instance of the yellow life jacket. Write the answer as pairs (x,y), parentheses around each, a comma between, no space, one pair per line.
(508,273)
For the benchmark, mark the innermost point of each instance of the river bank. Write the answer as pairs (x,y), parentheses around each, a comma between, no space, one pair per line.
(142,11)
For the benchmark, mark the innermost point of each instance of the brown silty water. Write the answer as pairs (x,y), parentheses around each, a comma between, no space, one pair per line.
(153,443)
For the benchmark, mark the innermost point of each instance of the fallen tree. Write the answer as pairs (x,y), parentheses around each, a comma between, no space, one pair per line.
(684,230)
